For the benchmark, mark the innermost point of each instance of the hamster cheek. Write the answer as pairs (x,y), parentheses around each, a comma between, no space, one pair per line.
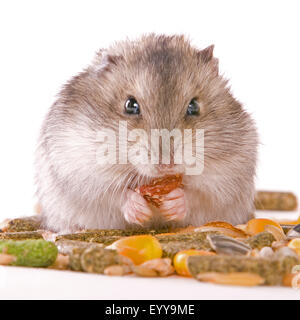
(174,205)
(136,209)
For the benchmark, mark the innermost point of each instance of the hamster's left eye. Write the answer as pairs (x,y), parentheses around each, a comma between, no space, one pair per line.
(193,108)
(132,106)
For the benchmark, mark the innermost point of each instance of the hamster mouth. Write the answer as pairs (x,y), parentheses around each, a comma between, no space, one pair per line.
(162,170)
(158,172)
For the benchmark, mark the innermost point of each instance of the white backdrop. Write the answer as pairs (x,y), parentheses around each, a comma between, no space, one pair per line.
(44,43)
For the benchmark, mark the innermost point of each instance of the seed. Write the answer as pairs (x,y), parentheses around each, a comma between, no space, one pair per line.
(294,232)
(226,245)
(117,270)
(279,244)
(291,280)
(295,245)
(286,252)
(266,252)
(61,262)
(154,268)
(233,278)
(276,232)
(223,228)
(144,271)
(6,259)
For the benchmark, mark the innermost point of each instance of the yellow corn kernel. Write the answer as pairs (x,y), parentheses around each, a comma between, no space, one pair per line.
(138,248)
(255,226)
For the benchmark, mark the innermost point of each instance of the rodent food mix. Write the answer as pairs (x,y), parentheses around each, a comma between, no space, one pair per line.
(260,252)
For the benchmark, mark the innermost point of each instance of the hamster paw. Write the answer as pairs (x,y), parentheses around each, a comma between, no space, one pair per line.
(174,205)
(136,209)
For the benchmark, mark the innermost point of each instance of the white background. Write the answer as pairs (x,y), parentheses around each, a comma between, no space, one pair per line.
(44,43)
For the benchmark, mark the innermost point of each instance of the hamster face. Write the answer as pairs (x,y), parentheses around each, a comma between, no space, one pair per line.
(164,75)
(156,82)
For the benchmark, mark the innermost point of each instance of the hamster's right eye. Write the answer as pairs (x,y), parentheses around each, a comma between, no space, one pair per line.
(132,106)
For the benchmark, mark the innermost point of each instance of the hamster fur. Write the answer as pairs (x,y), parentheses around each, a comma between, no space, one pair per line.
(163,73)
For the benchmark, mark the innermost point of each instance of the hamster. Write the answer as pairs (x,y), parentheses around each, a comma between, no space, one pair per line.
(154,82)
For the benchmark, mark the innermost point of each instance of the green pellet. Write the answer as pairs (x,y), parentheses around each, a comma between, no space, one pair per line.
(30,253)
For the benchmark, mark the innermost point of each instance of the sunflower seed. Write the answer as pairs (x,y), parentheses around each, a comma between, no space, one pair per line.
(226,245)
(294,232)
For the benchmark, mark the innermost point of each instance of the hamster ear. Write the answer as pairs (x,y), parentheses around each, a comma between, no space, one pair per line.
(207,53)
(103,60)
(206,56)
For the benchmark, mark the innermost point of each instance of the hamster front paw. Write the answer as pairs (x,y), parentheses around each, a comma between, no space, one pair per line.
(136,209)
(174,207)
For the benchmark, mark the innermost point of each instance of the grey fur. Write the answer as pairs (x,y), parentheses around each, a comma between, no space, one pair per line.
(163,73)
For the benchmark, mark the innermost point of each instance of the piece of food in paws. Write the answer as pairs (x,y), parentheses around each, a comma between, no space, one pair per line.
(21,224)
(138,248)
(271,270)
(155,191)
(281,201)
(30,253)
(23,235)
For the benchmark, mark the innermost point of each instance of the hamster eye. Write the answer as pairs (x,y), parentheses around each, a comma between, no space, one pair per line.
(193,108)
(132,106)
